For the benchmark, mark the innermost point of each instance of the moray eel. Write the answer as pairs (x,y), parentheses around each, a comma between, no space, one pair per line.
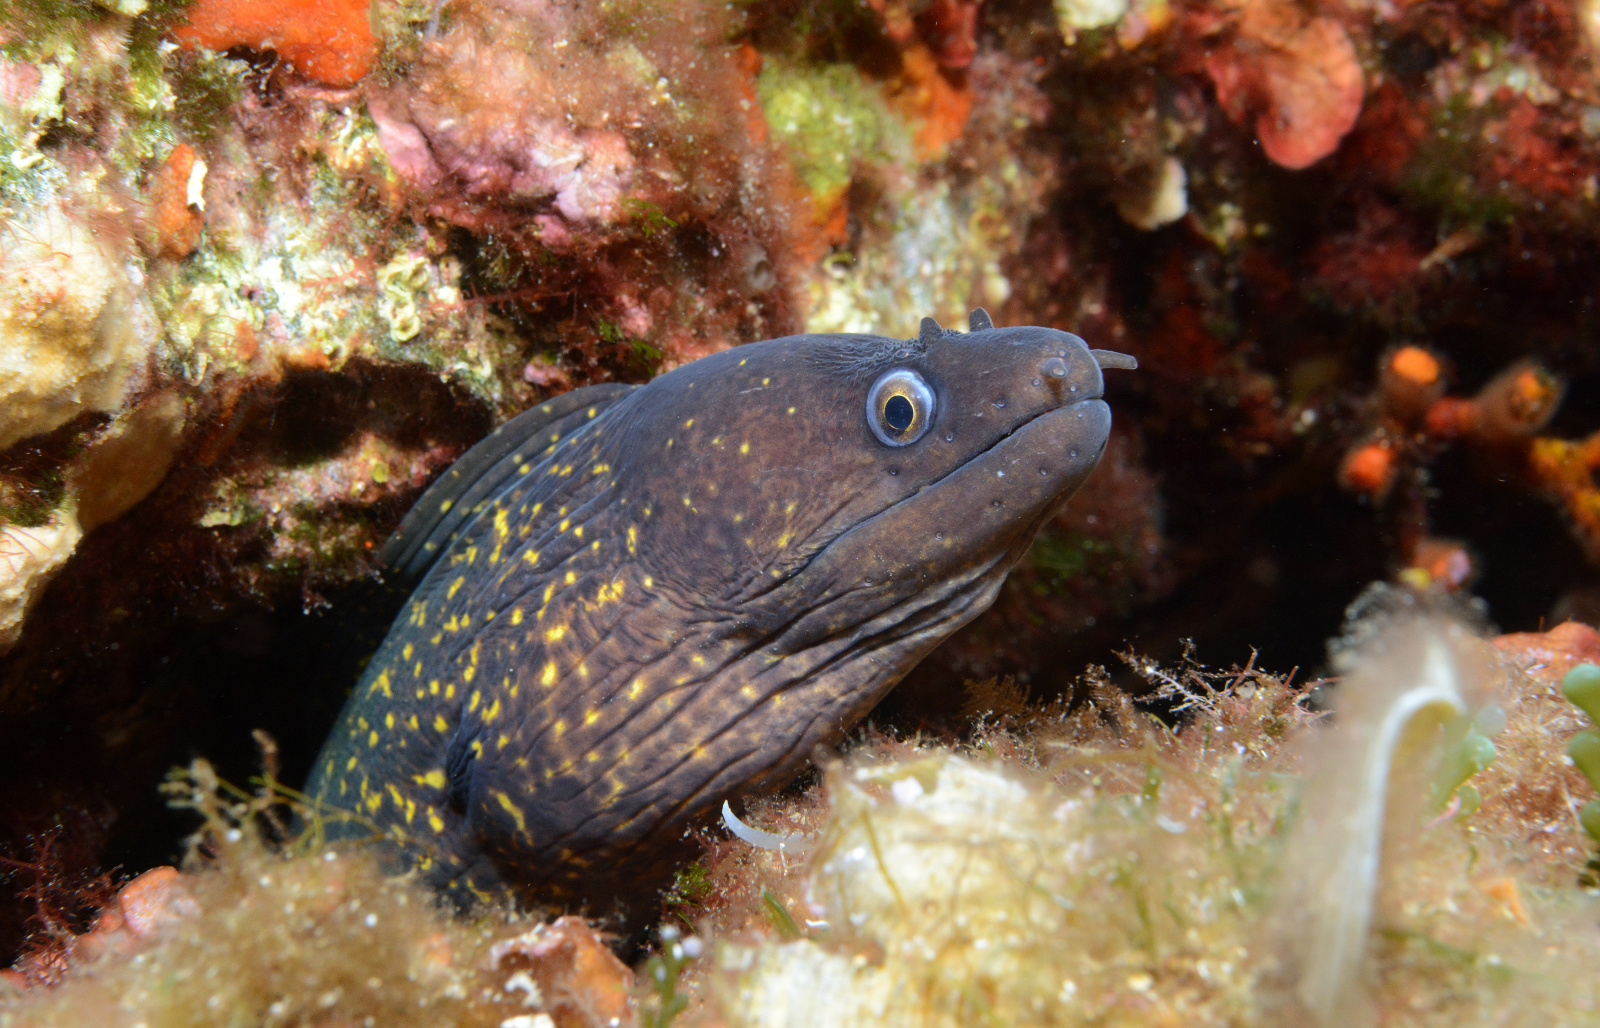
(635,602)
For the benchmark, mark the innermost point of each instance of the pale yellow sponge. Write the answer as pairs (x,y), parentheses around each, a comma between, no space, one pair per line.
(941,884)
(29,558)
(69,331)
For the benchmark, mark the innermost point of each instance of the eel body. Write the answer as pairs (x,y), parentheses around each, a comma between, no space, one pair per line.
(634,602)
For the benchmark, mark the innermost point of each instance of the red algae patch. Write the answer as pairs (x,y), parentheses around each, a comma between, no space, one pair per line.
(1315,85)
(1546,657)
(330,41)
(1300,76)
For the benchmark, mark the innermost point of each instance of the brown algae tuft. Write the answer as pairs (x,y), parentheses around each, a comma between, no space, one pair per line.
(297,934)
(1259,864)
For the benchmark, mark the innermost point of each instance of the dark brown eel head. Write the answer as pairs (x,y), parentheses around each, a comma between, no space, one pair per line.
(635,607)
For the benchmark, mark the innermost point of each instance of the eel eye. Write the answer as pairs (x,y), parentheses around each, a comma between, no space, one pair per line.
(899,407)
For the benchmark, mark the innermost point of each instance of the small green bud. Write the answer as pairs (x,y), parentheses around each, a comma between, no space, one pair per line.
(1477,751)
(1584,749)
(1589,817)
(1582,687)
(1472,754)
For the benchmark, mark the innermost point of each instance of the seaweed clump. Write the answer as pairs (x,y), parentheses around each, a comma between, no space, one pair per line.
(1166,866)
(268,926)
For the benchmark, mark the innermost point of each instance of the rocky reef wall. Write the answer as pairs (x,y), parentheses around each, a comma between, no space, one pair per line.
(266,268)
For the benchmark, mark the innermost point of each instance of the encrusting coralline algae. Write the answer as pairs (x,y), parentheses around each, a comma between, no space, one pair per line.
(267,268)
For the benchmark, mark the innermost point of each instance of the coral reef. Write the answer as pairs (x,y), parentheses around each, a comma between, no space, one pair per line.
(267,268)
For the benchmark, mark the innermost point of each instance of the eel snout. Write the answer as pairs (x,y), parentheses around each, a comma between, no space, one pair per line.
(1109,359)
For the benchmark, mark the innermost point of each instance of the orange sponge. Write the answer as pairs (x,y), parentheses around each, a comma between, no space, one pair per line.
(330,41)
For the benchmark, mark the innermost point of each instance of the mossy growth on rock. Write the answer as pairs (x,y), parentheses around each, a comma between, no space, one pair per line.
(830,118)
(1258,864)
(266,925)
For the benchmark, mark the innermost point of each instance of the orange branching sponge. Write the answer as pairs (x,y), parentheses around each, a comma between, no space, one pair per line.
(178,221)
(1412,421)
(1410,382)
(1414,365)
(1414,417)
(1452,417)
(1370,469)
(1517,403)
(1565,470)
(330,41)
(1506,413)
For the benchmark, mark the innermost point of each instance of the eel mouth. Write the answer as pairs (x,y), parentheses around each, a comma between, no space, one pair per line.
(1108,360)
(1077,453)
(1018,428)
(988,451)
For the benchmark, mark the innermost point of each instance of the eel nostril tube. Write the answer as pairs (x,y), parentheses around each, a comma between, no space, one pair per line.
(1055,367)
(1111,359)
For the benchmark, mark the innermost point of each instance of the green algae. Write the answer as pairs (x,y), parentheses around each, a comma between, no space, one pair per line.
(830,118)
(1071,554)
(1443,176)
(1581,687)
(1166,867)
(270,925)
(204,88)
(31,496)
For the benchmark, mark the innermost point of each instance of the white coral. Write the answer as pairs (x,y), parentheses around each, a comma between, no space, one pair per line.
(29,558)
(1083,15)
(69,338)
